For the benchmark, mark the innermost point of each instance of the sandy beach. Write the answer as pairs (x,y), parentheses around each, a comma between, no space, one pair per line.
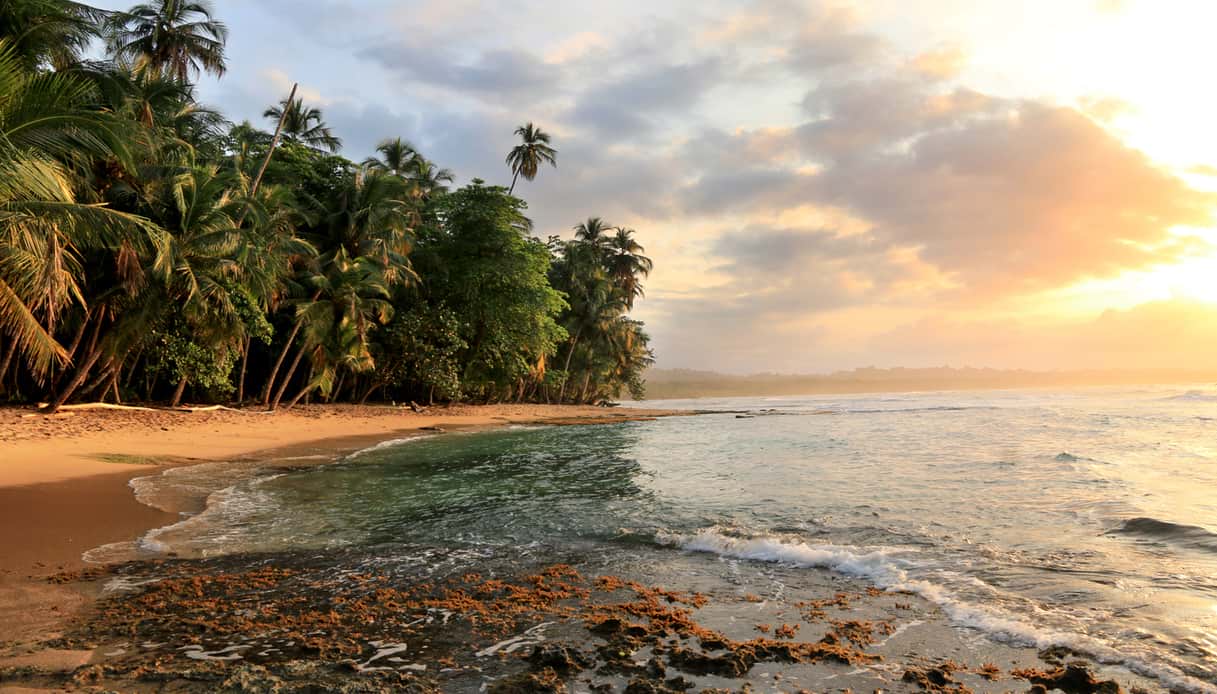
(64,484)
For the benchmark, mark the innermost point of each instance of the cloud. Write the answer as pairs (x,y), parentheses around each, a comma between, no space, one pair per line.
(830,39)
(1005,196)
(1040,196)
(629,106)
(944,62)
(490,74)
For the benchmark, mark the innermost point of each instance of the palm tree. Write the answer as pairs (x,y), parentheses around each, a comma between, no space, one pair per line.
(429,179)
(595,233)
(45,126)
(397,157)
(367,223)
(173,37)
(199,260)
(526,157)
(627,266)
(354,302)
(304,125)
(164,106)
(49,32)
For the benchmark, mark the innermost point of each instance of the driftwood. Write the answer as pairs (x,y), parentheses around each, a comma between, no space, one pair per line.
(204,408)
(136,408)
(101,406)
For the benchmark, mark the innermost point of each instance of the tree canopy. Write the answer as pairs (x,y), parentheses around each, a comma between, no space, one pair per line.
(140,261)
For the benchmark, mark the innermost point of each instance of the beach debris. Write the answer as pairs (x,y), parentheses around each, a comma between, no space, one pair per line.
(988,671)
(937,678)
(786,631)
(860,633)
(287,623)
(544,682)
(560,658)
(125,584)
(514,643)
(1074,678)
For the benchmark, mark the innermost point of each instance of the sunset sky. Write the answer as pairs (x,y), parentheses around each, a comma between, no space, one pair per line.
(822,185)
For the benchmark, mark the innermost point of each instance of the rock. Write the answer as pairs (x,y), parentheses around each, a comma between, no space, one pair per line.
(544,682)
(559,658)
(1074,678)
(656,685)
(937,678)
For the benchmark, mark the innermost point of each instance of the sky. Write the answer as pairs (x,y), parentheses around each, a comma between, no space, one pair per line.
(822,185)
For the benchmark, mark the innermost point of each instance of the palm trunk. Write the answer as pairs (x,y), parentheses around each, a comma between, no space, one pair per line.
(270,381)
(177,394)
(134,367)
(274,142)
(80,333)
(566,367)
(150,385)
(241,378)
(513,182)
(583,393)
(302,393)
(368,393)
(6,362)
(274,372)
(291,371)
(82,372)
(308,388)
(103,375)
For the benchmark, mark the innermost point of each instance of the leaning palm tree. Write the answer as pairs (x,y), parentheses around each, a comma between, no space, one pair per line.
(526,157)
(174,37)
(304,125)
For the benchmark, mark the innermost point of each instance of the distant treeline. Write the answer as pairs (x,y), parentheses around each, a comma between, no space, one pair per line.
(687,383)
(152,250)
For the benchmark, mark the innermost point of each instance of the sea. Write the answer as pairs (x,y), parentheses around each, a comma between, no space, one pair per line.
(1084,518)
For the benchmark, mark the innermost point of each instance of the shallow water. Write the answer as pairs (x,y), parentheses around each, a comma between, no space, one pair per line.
(1084,518)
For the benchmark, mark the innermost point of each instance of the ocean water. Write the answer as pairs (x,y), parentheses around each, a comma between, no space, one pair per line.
(1085,518)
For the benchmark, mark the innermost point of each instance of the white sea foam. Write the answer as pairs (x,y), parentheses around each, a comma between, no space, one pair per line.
(389,443)
(886,569)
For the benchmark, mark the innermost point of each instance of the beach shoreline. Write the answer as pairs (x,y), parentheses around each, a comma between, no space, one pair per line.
(64,483)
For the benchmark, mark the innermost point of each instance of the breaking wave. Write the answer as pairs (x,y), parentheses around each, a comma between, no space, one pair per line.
(887,569)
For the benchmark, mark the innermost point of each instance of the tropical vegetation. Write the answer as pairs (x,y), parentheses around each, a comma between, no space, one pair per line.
(151,250)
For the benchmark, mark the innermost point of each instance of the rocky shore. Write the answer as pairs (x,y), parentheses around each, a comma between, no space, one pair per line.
(292,623)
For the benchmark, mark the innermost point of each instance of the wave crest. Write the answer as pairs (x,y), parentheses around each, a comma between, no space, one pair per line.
(1192,536)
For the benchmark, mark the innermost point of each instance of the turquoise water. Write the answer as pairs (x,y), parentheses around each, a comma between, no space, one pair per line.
(1084,518)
